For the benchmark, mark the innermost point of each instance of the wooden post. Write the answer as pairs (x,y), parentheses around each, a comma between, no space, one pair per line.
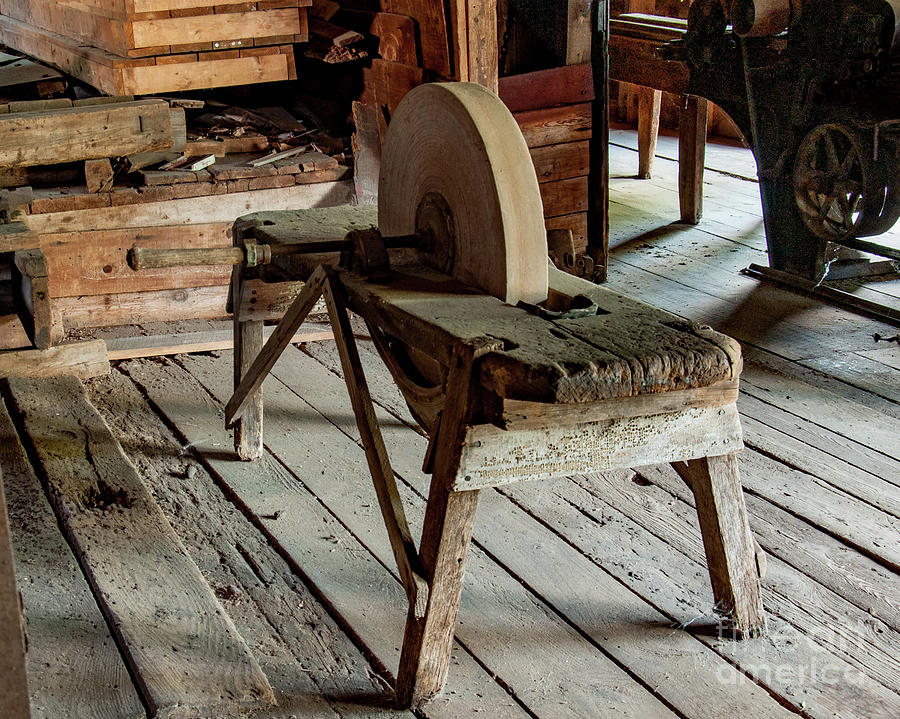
(32,267)
(729,545)
(447,531)
(598,174)
(483,52)
(692,157)
(649,101)
(248,343)
(13,681)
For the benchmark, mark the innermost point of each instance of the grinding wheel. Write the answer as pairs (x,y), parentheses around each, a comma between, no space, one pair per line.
(455,163)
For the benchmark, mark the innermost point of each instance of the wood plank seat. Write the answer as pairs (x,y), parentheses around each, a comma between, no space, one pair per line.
(634,58)
(507,395)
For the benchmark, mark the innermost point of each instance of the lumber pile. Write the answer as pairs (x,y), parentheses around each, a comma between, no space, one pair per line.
(124,47)
(102,175)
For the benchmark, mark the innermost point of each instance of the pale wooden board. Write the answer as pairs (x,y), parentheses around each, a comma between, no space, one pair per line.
(194,210)
(814,461)
(498,621)
(369,600)
(80,133)
(14,691)
(621,624)
(25,71)
(823,407)
(120,76)
(866,370)
(81,359)
(821,379)
(95,262)
(679,586)
(74,667)
(126,308)
(879,660)
(183,649)
(313,666)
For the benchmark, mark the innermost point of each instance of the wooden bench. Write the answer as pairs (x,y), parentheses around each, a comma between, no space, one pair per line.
(634,58)
(505,395)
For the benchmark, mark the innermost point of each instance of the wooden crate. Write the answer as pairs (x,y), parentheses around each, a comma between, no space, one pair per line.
(117,75)
(142,34)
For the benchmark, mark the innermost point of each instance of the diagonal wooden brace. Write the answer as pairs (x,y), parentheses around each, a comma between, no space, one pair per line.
(402,543)
(276,344)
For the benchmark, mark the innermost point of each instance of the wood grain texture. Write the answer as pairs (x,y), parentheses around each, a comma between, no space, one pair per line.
(692,157)
(313,666)
(74,666)
(730,554)
(168,211)
(501,623)
(621,623)
(98,131)
(182,647)
(81,359)
(648,129)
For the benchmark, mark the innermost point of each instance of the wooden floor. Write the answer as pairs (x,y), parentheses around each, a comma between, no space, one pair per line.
(585,597)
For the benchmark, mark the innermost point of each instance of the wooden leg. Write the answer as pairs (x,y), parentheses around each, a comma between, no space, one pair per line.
(692,157)
(39,320)
(13,683)
(389,498)
(729,545)
(248,430)
(428,641)
(263,361)
(648,129)
(447,531)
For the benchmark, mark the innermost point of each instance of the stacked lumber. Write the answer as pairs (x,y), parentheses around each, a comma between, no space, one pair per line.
(132,173)
(126,47)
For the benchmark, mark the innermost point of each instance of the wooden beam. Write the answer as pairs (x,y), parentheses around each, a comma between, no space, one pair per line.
(71,653)
(253,377)
(729,545)
(389,500)
(80,133)
(121,348)
(446,534)
(82,359)
(649,101)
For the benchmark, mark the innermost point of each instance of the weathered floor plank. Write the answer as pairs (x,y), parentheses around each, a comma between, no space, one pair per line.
(368,599)
(74,667)
(183,649)
(313,667)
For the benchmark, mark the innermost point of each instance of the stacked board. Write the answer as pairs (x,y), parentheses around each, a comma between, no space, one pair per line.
(152,46)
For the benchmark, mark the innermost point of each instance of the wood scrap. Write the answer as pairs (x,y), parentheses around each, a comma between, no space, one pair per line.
(81,359)
(334,34)
(99,175)
(275,156)
(202,163)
